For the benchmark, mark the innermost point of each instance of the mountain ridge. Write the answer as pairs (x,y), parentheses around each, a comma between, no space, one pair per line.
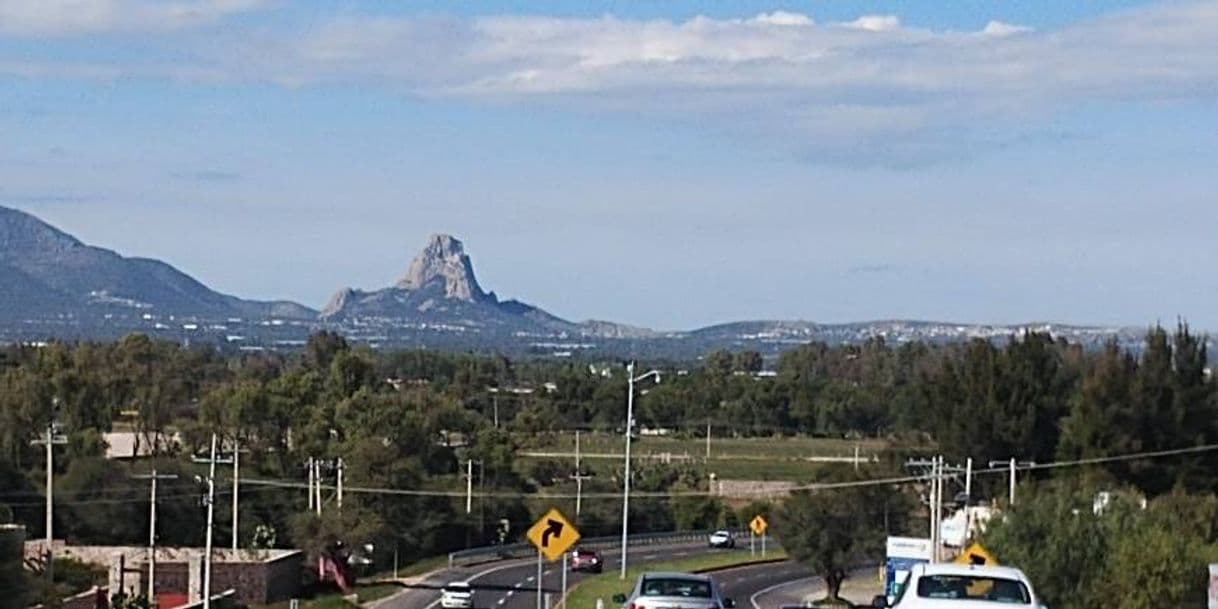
(57,286)
(62,273)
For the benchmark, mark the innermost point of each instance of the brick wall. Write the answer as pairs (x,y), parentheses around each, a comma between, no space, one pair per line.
(260,583)
(283,577)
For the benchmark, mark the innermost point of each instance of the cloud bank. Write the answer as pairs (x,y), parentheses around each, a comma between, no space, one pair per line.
(872,84)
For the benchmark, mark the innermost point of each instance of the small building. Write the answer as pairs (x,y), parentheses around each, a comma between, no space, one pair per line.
(257,576)
(135,445)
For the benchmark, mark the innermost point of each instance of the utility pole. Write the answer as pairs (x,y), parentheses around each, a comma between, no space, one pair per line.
(153,477)
(1012,481)
(309,469)
(317,485)
(578,477)
(50,438)
(339,495)
(934,496)
(236,488)
(968,481)
(469,486)
(211,510)
(1013,466)
(934,511)
(708,440)
(939,514)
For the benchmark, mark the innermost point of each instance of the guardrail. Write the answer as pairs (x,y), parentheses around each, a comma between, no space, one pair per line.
(525,550)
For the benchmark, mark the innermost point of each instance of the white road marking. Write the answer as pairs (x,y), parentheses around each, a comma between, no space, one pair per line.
(502,601)
(529,578)
(764,591)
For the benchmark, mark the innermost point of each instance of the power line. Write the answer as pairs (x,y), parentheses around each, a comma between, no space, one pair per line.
(133,498)
(895,480)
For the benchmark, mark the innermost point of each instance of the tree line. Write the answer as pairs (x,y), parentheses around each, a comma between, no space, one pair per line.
(414,419)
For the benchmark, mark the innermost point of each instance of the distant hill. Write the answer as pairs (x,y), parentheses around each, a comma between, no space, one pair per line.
(54,286)
(46,272)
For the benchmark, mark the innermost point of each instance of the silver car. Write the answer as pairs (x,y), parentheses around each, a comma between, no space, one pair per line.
(675,591)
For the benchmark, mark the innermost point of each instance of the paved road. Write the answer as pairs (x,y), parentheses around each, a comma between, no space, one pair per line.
(789,584)
(513,584)
(767,586)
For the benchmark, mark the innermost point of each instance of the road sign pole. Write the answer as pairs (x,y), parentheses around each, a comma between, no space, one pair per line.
(562,600)
(752,544)
(539,564)
(763,545)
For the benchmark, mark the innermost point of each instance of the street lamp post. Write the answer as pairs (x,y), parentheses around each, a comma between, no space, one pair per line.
(631,380)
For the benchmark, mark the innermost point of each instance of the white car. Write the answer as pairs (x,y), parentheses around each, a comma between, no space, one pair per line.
(951,586)
(721,539)
(457,595)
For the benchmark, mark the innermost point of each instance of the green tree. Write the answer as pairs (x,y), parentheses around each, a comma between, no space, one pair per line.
(748,361)
(13,579)
(832,529)
(1063,547)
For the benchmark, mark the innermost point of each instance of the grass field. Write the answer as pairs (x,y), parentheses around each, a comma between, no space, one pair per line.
(584,595)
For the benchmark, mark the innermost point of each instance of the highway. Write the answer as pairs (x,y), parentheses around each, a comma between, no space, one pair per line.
(513,584)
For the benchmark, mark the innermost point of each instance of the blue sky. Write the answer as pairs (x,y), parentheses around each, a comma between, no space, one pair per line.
(669,164)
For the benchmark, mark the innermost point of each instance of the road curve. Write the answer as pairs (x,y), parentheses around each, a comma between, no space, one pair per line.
(767,586)
(513,584)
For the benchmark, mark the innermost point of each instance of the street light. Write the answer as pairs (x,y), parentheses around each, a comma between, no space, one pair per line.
(632,379)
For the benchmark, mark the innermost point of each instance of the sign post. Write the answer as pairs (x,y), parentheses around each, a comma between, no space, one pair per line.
(759,527)
(553,535)
(562,600)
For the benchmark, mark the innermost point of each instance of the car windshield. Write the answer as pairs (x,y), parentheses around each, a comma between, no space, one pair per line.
(974,588)
(462,587)
(689,588)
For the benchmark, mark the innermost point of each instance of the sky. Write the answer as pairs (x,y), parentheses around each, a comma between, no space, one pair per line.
(665,163)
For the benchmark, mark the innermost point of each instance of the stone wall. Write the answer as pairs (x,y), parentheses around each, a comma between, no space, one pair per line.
(257,576)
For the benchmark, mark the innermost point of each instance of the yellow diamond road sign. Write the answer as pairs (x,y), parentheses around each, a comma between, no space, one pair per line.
(759,525)
(553,535)
(975,554)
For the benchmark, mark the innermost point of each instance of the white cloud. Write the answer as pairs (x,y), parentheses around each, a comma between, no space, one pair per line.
(998,28)
(40,18)
(783,18)
(871,85)
(876,23)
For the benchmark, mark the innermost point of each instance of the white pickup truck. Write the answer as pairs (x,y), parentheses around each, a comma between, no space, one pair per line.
(950,586)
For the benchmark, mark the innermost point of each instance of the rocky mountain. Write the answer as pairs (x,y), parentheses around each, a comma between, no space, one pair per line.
(52,285)
(48,273)
(440,291)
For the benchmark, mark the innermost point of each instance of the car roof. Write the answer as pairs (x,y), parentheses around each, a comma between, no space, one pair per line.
(461,584)
(973,570)
(675,575)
